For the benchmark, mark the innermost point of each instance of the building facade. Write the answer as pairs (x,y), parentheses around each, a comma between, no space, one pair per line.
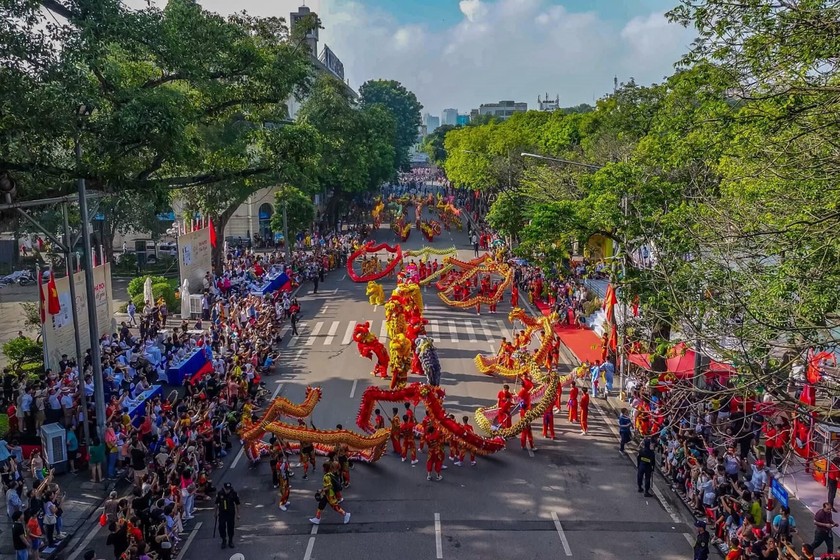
(502,109)
(548,105)
(462,120)
(450,117)
(431,123)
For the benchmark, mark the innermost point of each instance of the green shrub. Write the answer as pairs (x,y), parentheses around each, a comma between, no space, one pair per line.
(590,307)
(23,350)
(4,426)
(135,287)
(163,290)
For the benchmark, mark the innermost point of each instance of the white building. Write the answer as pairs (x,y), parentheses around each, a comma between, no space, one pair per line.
(431,123)
(502,109)
(548,105)
(450,117)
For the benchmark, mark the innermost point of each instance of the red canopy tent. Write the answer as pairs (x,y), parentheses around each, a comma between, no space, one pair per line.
(681,363)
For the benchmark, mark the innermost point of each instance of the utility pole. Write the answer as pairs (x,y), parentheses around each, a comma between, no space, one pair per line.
(622,352)
(68,261)
(90,292)
(288,241)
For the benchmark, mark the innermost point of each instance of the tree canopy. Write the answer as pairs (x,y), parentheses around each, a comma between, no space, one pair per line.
(300,212)
(404,108)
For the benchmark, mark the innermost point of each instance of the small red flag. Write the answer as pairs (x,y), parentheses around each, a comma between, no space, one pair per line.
(53,305)
(212,232)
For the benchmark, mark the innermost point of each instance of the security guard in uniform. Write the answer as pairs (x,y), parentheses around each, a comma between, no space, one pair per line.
(227,512)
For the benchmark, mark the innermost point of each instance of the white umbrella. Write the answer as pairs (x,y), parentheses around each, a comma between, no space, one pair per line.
(185,299)
(148,297)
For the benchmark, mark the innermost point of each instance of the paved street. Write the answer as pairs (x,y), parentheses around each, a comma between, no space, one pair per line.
(575,497)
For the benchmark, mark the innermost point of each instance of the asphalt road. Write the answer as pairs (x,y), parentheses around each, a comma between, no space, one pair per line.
(573,498)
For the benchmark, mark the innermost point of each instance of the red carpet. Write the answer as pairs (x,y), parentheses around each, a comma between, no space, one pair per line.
(584,344)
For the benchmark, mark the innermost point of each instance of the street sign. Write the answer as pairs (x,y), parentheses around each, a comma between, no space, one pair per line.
(779,492)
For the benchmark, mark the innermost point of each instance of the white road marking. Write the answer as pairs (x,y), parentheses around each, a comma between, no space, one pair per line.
(189,540)
(235,459)
(488,335)
(688,538)
(296,338)
(383,331)
(438,538)
(335,292)
(331,333)
(299,354)
(566,548)
(375,307)
(309,546)
(530,453)
(503,329)
(324,309)
(471,331)
(343,278)
(348,334)
(315,332)
(82,546)
(453,332)
(353,389)
(277,390)
(433,328)
(314,530)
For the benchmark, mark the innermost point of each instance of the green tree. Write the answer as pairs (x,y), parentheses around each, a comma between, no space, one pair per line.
(182,97)
(300,212)
(404,108)
(20,351)
(433,144)
(356,150)
(507,215)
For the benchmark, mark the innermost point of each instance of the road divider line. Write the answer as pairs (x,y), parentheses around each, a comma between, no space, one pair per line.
(438,538)
(309,546)
(348,334)
(299,354)
(331,333)
(315,332)
(353,389)
(296,338)
(375,307)
(383,331)
(277,390)
(335,292)
(566,548)
(236,459)
(343,278)
(530,453)
(189,540)
(324,309)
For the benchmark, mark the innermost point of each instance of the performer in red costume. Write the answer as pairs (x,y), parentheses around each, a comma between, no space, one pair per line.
(407,434)
(494,291)
(524,394)
(572,404)
(548,422)
(584,411)
(395,431)
(435,460)
(505,404)
(514,296)
(506,353)
(467,429)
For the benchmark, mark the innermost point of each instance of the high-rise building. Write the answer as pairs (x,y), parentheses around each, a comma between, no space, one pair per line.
(502,109)
(311,38)
(546,104)
(463,120)
(432,122)
(450,117)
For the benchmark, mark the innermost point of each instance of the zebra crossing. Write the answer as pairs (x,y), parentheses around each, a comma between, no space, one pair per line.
(315,332)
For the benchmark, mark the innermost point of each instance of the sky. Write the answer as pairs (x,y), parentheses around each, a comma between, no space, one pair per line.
(461,53)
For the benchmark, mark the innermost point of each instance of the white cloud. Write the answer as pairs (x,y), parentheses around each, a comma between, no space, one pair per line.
(499,49)
(503,49)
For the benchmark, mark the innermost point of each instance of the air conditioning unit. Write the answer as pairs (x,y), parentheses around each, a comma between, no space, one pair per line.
(54,443)
(195,305)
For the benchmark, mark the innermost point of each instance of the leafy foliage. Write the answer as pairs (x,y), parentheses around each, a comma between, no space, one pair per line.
(20,351)
(404,109)
(300,211)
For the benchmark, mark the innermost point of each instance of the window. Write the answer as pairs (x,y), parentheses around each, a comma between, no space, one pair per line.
(265,213)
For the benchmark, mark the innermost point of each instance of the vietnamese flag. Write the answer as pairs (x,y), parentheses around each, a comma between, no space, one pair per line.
(610,300)
(212,232)
(53,305)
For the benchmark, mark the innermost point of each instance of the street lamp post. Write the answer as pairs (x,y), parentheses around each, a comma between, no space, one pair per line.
(68,260)
(90,292)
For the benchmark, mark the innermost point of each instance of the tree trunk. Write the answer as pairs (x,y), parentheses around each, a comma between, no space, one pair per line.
(219,224)
(661,332)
